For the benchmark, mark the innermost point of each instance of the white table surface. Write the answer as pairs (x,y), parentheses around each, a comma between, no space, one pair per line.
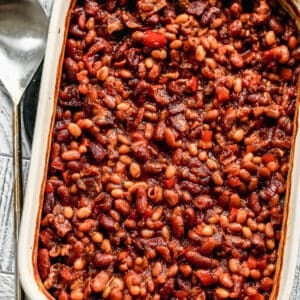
(7,251)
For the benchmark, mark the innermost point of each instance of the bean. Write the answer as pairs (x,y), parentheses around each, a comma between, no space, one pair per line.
(102,73)
(102,260)
(149,62)
(241,216)
(176,44)
(125,74)
(181,19)
(76,295)
(178,226)
(185,270)
(270,38)
(170,138)
(238,135)
(276,26)
(200,53)
(170,171)
(71,155)
(159,54)
(217,178)
(138,35)
(233,265)
(44,263)
(269,230)
(99,282)
(85,123)
(211,115)
(86,225)
(292,42)
(156,269)
(122,206)
(199,260)
(236,60)
(226,280)
(247,233)
(97,237)
(222,293)
(79,263)
(171,197)
(141,200)
(207,230)
(238,85)
(84,212)
(135,170)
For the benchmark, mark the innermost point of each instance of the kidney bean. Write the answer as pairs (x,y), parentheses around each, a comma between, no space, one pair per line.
(49,202)
(71,68)
(177,226)
(107,222)
(64,194)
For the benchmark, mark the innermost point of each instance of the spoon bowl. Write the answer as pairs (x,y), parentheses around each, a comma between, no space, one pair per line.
(23,32)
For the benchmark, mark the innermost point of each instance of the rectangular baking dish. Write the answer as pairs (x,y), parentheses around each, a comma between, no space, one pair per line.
(27,248)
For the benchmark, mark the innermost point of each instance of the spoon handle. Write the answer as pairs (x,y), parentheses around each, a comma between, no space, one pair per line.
(18,191)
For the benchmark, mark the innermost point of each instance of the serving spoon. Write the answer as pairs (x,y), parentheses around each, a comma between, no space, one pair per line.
(23,34)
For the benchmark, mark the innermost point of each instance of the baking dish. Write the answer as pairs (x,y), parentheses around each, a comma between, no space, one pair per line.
(27,251)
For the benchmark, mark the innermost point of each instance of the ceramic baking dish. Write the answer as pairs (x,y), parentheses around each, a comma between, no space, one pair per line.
(27,249)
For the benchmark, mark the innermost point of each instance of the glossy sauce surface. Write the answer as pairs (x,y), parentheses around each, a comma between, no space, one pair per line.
(170,151)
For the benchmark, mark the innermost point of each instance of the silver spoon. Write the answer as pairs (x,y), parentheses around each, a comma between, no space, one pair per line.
(23,33)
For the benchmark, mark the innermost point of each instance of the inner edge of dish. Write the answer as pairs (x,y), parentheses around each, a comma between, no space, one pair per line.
(57,77)
(293,10)
(287,201)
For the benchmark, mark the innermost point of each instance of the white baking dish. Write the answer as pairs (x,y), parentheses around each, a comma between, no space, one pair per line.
(40,147)
(27,250)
